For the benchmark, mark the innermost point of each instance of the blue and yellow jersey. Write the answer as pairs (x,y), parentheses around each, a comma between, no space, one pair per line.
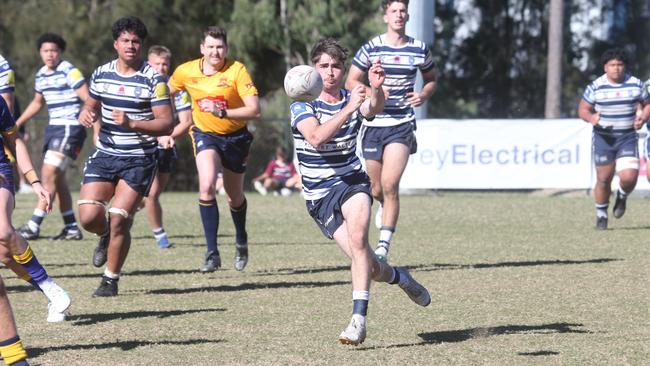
(7,78)
(228,86)
(7,127)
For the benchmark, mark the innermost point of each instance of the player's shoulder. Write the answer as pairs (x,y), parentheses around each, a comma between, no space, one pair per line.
(631,79)
(189,66)
(108,67)
(374,43)
(414,42)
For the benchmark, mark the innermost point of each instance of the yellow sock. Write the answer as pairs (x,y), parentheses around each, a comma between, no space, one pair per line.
(12,350)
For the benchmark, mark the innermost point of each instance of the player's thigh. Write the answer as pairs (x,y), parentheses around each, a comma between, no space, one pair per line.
(356,214)
(374,168)
(6,209)
(208,163)
(233,184)
(396,156)
(126,198)
(605,173)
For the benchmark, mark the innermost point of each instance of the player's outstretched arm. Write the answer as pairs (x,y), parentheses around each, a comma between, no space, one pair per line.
(32,109)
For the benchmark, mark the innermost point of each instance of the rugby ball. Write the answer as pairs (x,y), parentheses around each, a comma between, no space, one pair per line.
(303,83)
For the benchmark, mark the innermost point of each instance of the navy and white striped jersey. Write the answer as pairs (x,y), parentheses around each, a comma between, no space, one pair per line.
(616,102)
(58,90)
(401,65)
(335,161)
(7,78)
(134,94)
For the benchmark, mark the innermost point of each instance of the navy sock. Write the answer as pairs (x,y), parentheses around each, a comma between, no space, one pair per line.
(360,307)
(239,219)
(210,219)
(395,277)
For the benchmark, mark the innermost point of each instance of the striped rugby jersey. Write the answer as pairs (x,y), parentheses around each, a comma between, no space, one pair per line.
(58,90)
(615,102)
(401,65)
(335,161)
(7,77)
(7,127)
(135,94)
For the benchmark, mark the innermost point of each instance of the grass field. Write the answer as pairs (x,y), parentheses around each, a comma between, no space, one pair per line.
(516,279)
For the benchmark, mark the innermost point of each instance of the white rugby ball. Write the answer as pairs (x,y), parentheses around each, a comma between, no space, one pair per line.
(303,83)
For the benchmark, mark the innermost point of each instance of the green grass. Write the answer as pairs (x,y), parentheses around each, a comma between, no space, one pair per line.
(515,279)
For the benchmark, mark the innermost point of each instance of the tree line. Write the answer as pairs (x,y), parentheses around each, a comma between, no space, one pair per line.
(497,69)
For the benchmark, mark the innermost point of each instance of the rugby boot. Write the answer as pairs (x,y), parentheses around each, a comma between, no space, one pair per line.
(107,287)
(241,256)
(28,233)
(212,262)
(415,291)
(355,333)
(619,205)
(67,234)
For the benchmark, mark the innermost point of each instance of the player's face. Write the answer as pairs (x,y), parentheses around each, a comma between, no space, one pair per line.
(159,63)
(128,46)
(615,70)
(331,71)
(214,51)
(396,16)
(50,54)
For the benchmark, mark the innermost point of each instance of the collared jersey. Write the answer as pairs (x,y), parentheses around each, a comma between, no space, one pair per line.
(334,162)
(7,127)
(135,94)
(7,77)
(616,102)
(58,89)
(401,65)
(228,86)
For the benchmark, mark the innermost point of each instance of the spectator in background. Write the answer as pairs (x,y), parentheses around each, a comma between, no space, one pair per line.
(610,103)
(280,175)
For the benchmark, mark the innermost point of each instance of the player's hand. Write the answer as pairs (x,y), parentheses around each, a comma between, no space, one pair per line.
(87,117)
(594,119)
(357,97)
(43,195)
(414,99)
(120,118)
(638,119)
(376,74)
(166,142)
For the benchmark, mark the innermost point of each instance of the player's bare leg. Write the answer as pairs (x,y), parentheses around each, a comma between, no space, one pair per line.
(602,191)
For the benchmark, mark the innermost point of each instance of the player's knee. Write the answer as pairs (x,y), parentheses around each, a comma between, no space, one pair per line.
(7,236)
(56,160)
(390,190)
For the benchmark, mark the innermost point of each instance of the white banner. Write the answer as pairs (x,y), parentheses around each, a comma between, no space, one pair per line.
(500,154)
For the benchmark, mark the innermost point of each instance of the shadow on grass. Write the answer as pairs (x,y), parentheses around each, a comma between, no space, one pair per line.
(539,353)
(441,266)
(629,228)
(90,319)
(122,345)
(180,236)
(20,289)
(152,272)
(462,335)
(246,287)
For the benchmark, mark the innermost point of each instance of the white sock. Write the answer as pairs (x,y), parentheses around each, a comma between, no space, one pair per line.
(111,275)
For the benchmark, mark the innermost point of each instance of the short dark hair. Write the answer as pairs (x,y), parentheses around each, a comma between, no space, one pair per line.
(50,38)
(129,24)
(331,47)
(614,54)
(386,3)
(215,32)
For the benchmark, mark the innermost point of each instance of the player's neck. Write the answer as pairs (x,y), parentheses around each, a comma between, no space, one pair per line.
(128,68)
(209,69)
(396,38)
(330,96)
